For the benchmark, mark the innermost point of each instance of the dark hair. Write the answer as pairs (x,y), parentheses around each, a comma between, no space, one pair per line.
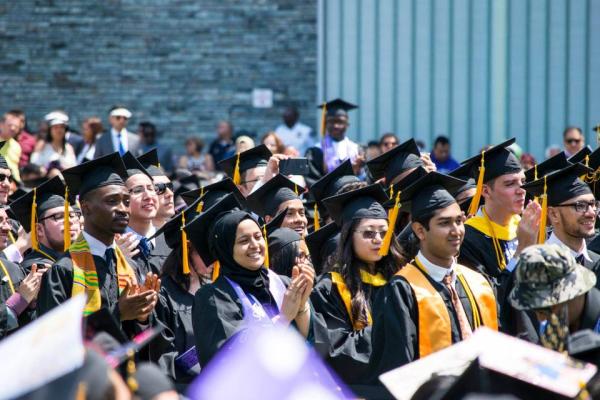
(373,143)
(17,113)
(197,142)
(572,128)
(443,140)
(95,125)
(172,268)
(386,136)
(278,142)
(284,260)
(49,135)
(349,267)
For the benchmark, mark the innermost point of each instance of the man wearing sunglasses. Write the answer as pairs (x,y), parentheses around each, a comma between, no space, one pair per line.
(573,140)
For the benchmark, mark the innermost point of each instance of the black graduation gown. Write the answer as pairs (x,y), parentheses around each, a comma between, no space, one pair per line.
(346,351)
(159,254)
(594,244)
(16,275)
(174,311)
(395,333)
(38,257)
(593,265)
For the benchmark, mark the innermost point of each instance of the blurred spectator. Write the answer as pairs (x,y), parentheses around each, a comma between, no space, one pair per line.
(373,149)
(387,142)
(552,150)
(441,156)
(291,151)
(273,143)
(243,143)
(55,152)
(195,160)
(33,175)
(91,128)
(73,138)
(573,140)
(118,138)
(16,122)
(294,133)
(148,141)
(527,161)
(11,149)
(223,146)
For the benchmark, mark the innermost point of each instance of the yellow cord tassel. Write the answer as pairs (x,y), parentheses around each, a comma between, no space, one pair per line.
(131,381)
(33,231)
(266,246)
(542,231)
(184,247)
(236,171)
(67,225)
(216,270)
(391,192)
(587,177)
(477,198)
(317,222)
(201,191)
(535,178)
(323,119)
(393,216)
(199,207)
(296,189)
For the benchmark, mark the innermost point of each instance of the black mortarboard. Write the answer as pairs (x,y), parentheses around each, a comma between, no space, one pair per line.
(579,157)
(103,171)
(3,163)
(133,166)
(331,183)
(212,193)
(149,160)
(322,243)
(365,202)
(395,161)
(554,163)
(406,182)
(255,157)
(463,173)
(171,230)
(187,183)
(48,195)
(279,238)
(276,222)
(152,381)
(338,107)
(267,199)
(585,345)
(198,228)
(560,185)
(430,193)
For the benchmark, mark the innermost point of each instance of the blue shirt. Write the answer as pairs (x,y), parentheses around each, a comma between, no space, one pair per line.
(445,166)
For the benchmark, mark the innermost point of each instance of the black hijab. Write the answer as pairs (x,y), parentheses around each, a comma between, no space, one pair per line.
(222,234)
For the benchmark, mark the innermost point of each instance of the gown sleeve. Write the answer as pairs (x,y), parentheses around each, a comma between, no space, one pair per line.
(56,286)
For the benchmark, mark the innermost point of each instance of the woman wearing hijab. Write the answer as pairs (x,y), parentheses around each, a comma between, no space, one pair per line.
(245,289)
(345,295)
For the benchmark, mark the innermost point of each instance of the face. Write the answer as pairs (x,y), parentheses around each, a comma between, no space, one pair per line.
(50,227)
(118,123)
(574,310)
(4,185)
(12,125)
(295,218)
(445,234)
(87,132)
(574,141)
(388,143)
(336,126)
(271,144)
(250,177)
(303,253)
(249,246)
(166,204)
(574,223)
(4,229)
(441,151)
(57,132)
(290,117)
(106,209)
(190,148)
(465,195)
(367,239)
(505,193)
(144,200)
(242,146)
(224,130)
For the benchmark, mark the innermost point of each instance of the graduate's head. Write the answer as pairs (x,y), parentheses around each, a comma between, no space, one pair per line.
(336,117)
(162,183)
(441,232)
(249,245)
(397,163)
(286,249)
(143,197)
(174,261)
(323,245)
(50,227)
(505,193)
(295,216)
(250,165)
(250,177)
(5,175)
(4,228)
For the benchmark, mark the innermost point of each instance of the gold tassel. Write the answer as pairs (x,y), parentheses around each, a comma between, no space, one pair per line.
(184,247)
(216,270)
(389,235)
(199,207)
(131,381)
(201,191)
(587,160)
(266,246)
(535,178)
(33,232)
(317,222)
(391,192)
(476,199)
(587,177)
(81,391)
(323,119)
(542,231)
(296,189)
(236,172)
(67,226)
(158,165)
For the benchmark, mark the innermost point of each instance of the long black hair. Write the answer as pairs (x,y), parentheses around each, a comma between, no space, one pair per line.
(49,136)
(173,268)
(284,260)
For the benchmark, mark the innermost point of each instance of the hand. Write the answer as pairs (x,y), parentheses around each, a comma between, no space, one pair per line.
(128,243)
(273,167)
(358,163)
(23,240)
(135,303)
(427,163)
(293,296)
(152,282)
(30,286)
(306,270)
(527,231)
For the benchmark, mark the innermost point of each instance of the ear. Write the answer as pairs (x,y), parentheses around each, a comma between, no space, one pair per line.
(486,191)
(419,230)
(553,215)
(39,230)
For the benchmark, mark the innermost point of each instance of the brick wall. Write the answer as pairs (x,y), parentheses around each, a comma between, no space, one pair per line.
(180,64)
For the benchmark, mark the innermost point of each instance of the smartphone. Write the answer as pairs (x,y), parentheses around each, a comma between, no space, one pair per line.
(293,166)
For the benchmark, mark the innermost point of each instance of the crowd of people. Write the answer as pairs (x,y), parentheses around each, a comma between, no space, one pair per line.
(376,255)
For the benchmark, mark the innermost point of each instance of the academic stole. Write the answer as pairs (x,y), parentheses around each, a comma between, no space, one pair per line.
(85,277)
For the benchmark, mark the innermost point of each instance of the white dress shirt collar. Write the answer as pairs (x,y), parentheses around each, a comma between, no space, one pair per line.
(553,239)
(436,272)
(97,248)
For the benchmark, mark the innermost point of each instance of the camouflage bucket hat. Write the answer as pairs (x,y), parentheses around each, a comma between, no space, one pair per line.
(547,275)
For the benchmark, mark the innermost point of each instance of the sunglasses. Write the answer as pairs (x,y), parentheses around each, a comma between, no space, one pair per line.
(4,177)
(370,235)
(161,188)
(573,141)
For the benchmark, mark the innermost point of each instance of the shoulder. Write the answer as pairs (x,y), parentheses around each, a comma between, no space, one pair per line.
(324,283)
(14,270)
(63,264)
(214,292)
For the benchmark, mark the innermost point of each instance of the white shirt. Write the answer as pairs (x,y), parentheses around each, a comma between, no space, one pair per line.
(97,248)
(115,139)
(436,272)
(151,232)
(298,136)
(553,239)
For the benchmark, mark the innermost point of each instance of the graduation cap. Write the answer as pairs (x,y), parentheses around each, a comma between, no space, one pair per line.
(406,182)
(28,208)
(149,161)
(187,183)
(234,166)
(334,108)
(365,202)
(90,175)
(581,155)
(490,164)
(395,161)
(267,198)
(463,173)
(212,193)
(432,192)
(554,163)
(133,166)
(276,222)
(322,243)
(281,237)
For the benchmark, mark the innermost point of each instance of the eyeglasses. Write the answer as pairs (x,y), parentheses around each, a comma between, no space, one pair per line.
(370,235)
(161,188)
(4,177)
(60,216)
(582,206)
(137,190)
(573,141)
(388,144)
(255,180)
